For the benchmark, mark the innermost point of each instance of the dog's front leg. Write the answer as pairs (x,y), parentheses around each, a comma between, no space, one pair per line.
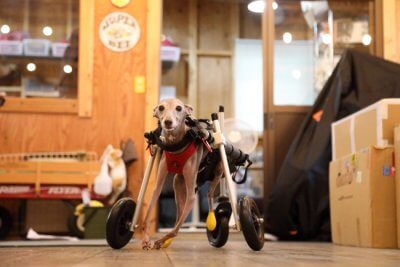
(189,176)
(180,195)
(161,175)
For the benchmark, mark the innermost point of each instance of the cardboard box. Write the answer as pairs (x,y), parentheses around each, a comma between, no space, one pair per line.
(397,163)
(372,125)
(362,199)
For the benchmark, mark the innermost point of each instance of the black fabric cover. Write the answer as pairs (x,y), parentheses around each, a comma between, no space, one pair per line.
(298,206)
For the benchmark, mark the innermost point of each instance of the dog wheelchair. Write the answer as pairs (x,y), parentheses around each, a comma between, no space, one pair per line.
(123,218)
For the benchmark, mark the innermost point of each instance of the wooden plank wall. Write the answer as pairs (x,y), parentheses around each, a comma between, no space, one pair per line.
(397,32)
(391,29)
(204,76)
(117,109)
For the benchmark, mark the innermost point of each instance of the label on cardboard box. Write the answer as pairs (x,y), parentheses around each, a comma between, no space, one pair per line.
(386,171)
(359,177)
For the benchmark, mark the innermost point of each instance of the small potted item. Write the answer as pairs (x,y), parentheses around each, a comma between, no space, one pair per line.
(170,53)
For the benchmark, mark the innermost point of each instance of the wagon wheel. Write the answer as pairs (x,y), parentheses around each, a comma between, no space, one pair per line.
(5,222)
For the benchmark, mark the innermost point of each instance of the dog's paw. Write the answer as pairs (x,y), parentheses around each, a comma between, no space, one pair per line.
(146,245)
(162,243)
(158,244)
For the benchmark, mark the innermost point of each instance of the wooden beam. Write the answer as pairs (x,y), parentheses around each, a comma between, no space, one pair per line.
(40,105)
(389,30)
(235,32)
(371,27)
(86,57)
(214,53)
(268,37)
(209,53)
(193,60)
(153,77)
(378,16)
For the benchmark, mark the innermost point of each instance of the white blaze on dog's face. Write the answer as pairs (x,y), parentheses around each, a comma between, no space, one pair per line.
(172,113)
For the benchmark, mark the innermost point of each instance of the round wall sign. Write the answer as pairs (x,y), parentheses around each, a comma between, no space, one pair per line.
(119,31)
(120,3)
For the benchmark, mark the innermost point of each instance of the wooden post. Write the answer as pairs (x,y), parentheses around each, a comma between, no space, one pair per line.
(235,28)
(268,37)
(193,42)
(86,57)
(153,74)
(389,30)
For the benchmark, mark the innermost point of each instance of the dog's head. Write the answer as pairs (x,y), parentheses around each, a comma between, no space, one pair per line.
(172,113)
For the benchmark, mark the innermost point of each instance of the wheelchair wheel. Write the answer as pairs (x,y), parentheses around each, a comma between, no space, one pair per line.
(118,232)
(251,223)
(219,236)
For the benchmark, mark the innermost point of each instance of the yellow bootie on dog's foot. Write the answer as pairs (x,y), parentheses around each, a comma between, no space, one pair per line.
(167,243)
(211,221)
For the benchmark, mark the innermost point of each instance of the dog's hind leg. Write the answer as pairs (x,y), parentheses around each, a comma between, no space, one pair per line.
(211,221)
(180,195)
(161,176)
(211,190)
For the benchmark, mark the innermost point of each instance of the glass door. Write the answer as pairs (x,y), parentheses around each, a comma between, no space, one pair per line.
(303,41)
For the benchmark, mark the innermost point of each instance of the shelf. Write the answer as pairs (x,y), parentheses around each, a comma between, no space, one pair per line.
(47,105)
(24,58)
(209,53)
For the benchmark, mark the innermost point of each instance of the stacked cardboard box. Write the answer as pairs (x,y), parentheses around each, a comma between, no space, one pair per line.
(397,164)
(362,177)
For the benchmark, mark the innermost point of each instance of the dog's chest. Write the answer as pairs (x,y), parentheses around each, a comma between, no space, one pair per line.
(176,161)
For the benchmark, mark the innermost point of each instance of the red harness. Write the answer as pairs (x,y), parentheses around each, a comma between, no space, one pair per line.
(176,161)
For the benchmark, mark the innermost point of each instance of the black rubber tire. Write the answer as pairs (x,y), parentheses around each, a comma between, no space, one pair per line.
(219,236)
(118,232)
(73,226)
(5,222)
(252,225)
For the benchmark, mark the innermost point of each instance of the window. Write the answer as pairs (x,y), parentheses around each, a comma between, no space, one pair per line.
(39,55)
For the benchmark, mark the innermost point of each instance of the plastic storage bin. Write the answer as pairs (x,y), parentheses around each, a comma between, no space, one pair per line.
(13,48)
(36,47)
(58,49)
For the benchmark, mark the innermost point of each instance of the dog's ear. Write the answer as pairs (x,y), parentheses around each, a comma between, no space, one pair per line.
(188,109)
(155,112)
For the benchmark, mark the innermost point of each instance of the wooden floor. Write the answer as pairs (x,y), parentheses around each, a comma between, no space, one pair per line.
(194,250)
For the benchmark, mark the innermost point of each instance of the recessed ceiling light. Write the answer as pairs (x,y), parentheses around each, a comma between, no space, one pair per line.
(275,5)
(287,37)
(47,30)
(67,69)
(5,29)
(256,6)
(366,39)
(31,67)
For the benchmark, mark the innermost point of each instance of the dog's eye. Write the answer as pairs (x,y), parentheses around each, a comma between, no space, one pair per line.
(178,108)
(161,108)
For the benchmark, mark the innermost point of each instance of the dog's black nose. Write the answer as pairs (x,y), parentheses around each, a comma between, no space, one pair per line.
(168,123)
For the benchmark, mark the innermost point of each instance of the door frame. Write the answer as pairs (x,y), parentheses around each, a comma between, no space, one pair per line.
(268,37)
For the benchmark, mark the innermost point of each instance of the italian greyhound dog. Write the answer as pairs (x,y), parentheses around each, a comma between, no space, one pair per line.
(171,114)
